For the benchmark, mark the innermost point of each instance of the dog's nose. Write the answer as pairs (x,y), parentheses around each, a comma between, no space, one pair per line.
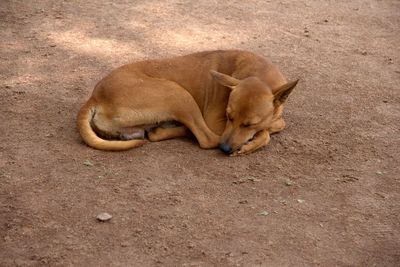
(226,148)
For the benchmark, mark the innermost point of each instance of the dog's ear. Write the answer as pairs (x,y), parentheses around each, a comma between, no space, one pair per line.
(224,79)
(281,95)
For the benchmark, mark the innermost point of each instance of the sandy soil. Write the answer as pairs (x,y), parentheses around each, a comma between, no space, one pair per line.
(325,192)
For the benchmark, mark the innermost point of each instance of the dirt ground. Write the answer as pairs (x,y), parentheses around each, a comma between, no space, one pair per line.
(325,192)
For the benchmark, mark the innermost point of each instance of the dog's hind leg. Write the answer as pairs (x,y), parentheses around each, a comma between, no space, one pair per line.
(129,133)
(159,133)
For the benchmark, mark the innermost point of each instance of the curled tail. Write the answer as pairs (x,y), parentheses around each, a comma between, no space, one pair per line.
(85,116)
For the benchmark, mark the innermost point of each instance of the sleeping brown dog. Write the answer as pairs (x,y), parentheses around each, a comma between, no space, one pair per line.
(231,99)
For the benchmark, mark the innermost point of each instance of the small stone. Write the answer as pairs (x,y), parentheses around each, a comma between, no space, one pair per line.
(103,217)
(301,200)
(88,163)
(243,202)
(326,20)
(53,45)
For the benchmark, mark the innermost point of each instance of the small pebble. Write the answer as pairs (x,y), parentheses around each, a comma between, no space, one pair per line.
(103,217)
(124,244)
(288,182)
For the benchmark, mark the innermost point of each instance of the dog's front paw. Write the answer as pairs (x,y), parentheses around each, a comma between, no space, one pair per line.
(236,153)
(246,149)
(240,152)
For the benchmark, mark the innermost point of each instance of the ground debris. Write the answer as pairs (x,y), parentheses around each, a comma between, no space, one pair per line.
(381,195)
(346,178)
(124,244)
(263,213)
(289,182)
(88,163)
(246,179)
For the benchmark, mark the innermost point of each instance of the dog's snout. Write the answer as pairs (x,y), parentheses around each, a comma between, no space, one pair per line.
(225,148)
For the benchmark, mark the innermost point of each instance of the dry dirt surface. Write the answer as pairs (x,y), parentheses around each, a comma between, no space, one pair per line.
(324,192)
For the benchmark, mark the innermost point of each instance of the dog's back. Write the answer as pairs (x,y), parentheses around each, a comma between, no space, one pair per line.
(192,71)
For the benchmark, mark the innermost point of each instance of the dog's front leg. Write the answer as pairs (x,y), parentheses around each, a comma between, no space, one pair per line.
(190,115)
(260,139)
(277,126)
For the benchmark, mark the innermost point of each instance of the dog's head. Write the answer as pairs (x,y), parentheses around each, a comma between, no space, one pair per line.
(251,108)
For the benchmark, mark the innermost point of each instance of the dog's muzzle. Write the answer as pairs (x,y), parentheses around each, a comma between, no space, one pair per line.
(225,148)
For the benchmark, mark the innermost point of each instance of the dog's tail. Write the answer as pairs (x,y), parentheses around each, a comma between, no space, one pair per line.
(84,119)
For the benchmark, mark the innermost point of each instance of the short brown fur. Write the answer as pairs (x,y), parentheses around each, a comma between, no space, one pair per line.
(232,98)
